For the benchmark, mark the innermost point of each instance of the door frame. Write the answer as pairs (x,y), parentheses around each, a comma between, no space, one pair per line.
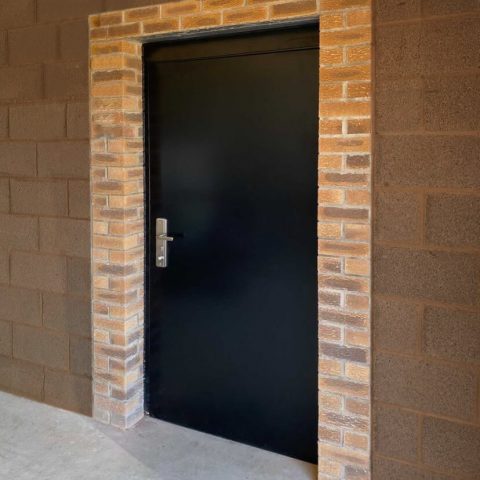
(344,206)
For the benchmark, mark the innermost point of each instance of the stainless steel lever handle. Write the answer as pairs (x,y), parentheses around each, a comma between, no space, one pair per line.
(161,239)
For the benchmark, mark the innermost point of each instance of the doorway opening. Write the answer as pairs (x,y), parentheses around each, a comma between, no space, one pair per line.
(231,250)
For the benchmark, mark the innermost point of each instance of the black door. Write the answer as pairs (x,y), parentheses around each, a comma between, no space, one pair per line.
(232,128)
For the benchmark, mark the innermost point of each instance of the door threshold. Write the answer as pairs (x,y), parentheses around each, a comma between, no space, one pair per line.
(178,453)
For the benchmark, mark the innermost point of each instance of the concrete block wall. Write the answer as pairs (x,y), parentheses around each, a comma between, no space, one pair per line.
(45,320)
(426,295)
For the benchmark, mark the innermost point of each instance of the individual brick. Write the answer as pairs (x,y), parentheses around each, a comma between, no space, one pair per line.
(452,334)
(20,306)
(78,276)
(424,386)
(190,22)
(393,10)
(4,195)
(451,446)
(37,122)
(79,199)
(397,217)
(74,41)
(18,232)
(442,276)
(293,9)
(45,272)
(16,13)
(396,433)
(66,80)
(63,159)
(40,346)
(395,325)
(5,338)
(18,159)
(22,378)
(21,83)
(53,10)
(245,15)
(81,356)
(431,161)
(453,220)
(452,103)
(78,121)
(450,45)
(67,314)
(65,236)
(398,105)
(39,197)
(398,51)
(33,44)
(68,391)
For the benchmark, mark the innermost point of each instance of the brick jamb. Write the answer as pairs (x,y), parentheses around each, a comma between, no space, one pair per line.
(344,213)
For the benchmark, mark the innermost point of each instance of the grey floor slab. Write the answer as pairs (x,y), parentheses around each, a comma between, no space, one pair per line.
(38,442)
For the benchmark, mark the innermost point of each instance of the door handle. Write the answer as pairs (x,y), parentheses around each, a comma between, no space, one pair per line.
(161,239)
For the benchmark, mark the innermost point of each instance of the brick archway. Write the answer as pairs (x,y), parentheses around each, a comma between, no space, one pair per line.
(344,213)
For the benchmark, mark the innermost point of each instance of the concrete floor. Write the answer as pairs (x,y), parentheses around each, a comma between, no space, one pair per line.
(38,442)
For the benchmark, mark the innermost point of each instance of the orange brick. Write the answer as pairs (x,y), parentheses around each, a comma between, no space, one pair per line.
(358,373)
(359,17)
(347,37)
(357,232)
(330,367)
(162,26)
(221,4)
(335,179)
(330,435)
(355,440)
(329,230)
(180,8)
(331,56)
(331,162)
(202,21)
(357,266)
(330,127)
(110,18)
(330,402)
(331,196)
(332,90)
(359,90)
(343,4)
(130,30)
(358,197)
(357,302)
(337,145)
(330,333)
(363,125)
(244,15)
(345,73)
(293,9)
(344,109)
(331,20)
(146,13)
(359,54)
(330,247)
(332,469)
(357,338)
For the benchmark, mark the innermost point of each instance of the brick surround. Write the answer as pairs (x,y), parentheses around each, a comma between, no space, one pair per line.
(344,213)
